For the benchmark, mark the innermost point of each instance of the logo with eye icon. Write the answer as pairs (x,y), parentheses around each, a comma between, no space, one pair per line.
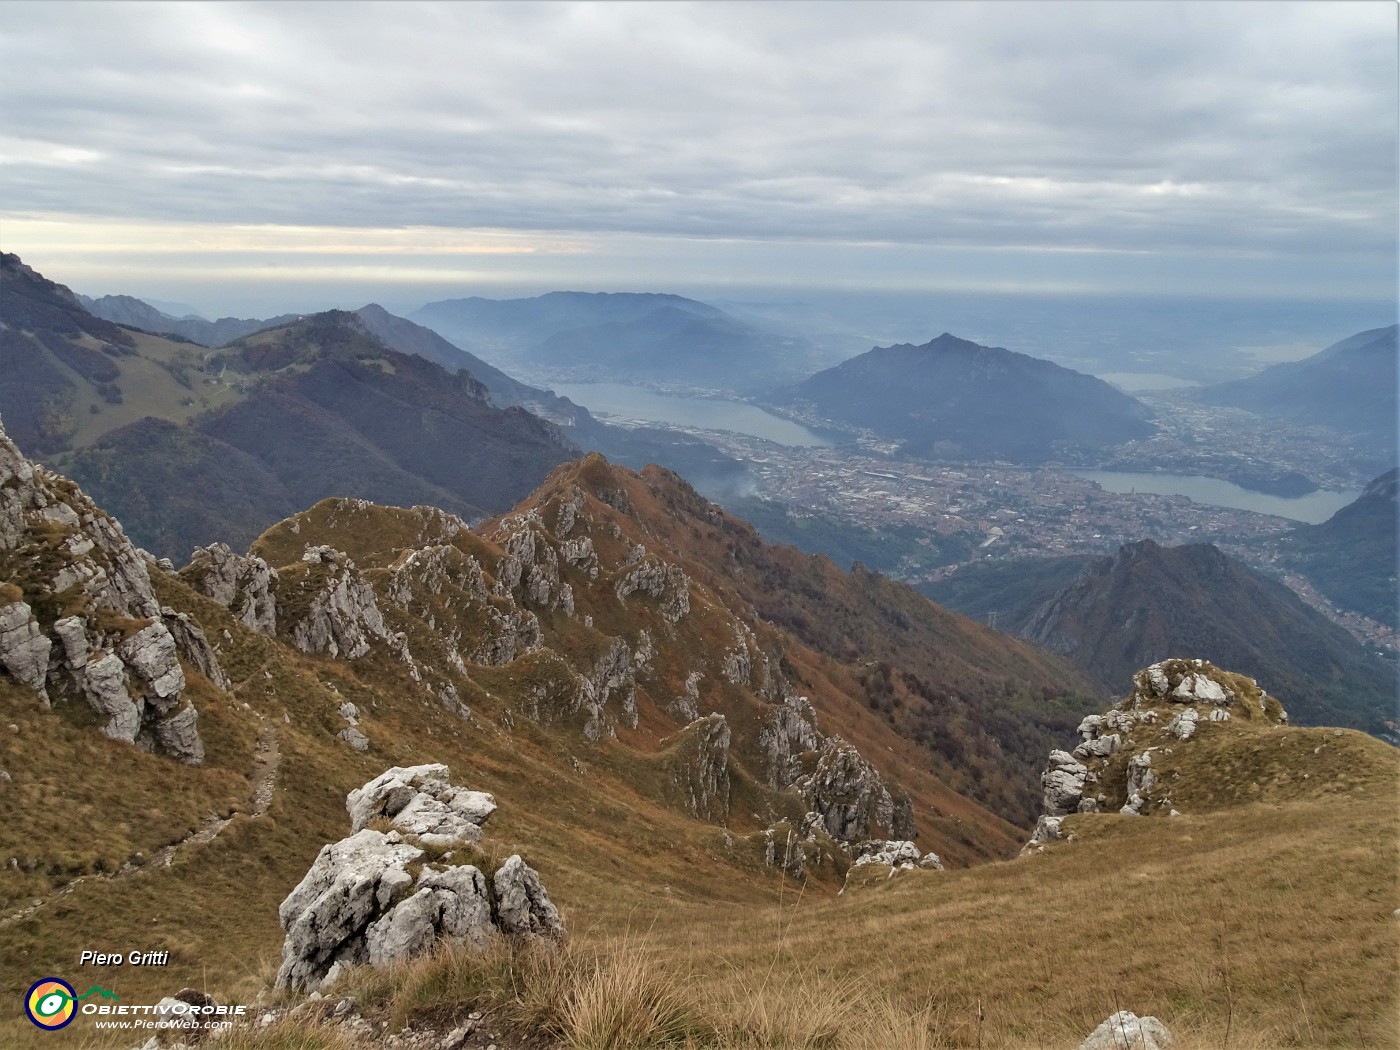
(51,1003)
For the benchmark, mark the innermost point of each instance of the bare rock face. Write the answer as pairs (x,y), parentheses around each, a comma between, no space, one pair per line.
(245,585)
(523,909)
(790,731)
(351,885)
(1047,829)
(423,803)
(851,796)
(435,570)
(150,652)
(111,646)
(1201,685)
(900,854)
(191,641)
(737,664)
(375,898)
(614,674)
(700,767)
(1125,1030)
(342,617)
(511,635)
(1140,781)
(686,707)
(668,584)
(1063,782)
(104,685)
(178,735)
(531,568)
(24,649)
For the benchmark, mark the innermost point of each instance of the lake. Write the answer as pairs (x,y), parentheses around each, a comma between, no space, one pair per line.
(624,402)
(1313,508)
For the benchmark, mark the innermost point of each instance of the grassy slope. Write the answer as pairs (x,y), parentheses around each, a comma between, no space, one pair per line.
(151,386)
(606,839)
(1249,924)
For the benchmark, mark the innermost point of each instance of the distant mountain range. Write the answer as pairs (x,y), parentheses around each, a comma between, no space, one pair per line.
(624,336)
(190,445)
(954,399)
(1350,386)
(1148,603)
(127,310)
(326,410)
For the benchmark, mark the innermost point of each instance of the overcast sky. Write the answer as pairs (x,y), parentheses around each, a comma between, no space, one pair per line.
(259,151)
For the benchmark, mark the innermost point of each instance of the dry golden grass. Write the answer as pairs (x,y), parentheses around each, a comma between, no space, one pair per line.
(1262,926)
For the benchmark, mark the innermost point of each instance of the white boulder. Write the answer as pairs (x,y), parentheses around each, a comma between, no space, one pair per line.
(523,908)
(422,802)
(1127,1031)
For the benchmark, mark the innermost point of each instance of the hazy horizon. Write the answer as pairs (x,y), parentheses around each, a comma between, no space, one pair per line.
(256,159)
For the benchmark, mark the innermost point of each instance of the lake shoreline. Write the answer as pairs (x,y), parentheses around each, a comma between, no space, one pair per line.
(1311,507)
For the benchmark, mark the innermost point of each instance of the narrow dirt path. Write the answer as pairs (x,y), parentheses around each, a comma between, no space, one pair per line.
(267,757)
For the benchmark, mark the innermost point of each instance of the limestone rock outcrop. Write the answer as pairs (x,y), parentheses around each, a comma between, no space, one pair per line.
(1047,829)
(530,567)
(1125,1030)
(790,731)
(1115,767)
(245,585)
(523,908)
(24,649)
(613,674)
(79,618)
(377,897)
(331,608)
(900,854)
(1063,783)
(421,801)
(668,584)
(700,767)
(851,796)
(191,641)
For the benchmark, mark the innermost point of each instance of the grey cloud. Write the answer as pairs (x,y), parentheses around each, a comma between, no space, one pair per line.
(1172,126)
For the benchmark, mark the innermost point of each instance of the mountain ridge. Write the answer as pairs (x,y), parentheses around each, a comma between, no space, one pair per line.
(138,313)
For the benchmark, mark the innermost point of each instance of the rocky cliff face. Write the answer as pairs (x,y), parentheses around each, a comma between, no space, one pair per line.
(852,797)
(79,619)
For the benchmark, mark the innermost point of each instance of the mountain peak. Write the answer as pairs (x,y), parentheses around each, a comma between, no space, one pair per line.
(953,398)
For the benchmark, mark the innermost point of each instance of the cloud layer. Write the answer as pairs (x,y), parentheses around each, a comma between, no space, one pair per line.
(1252,132)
